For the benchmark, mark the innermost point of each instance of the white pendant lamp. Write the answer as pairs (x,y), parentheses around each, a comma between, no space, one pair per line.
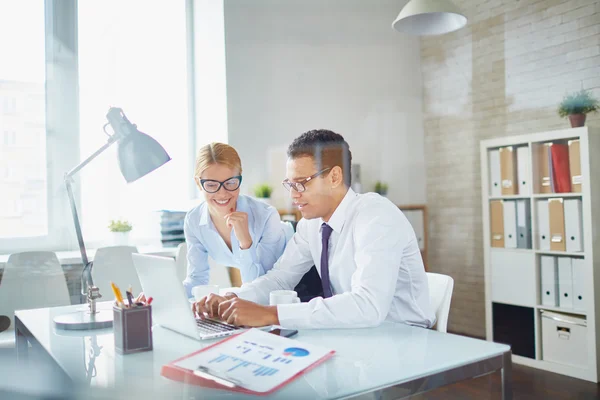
(429,17)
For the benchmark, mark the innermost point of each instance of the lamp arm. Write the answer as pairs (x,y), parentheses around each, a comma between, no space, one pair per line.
(86,276)
(112,139)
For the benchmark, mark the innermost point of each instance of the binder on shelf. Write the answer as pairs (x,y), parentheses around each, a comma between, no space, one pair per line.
(549,279)
(561,177)
(579,274)
(575,165)
(557,225)
(543,225)
(565,282)
(510,224)
(497,223)
(551,168)
(508,171)
(543,168)
(523,225)
(573,225)
(523,170)
(495,177)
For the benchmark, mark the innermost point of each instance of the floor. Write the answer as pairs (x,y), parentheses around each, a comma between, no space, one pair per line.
(528,383)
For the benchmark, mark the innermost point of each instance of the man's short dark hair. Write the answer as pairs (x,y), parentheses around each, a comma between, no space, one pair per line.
(327,148)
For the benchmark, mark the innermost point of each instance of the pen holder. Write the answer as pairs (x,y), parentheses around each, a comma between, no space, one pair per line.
(132,329)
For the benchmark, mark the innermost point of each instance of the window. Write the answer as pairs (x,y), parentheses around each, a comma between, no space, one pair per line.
(140,67)
(98,55)
(22,76)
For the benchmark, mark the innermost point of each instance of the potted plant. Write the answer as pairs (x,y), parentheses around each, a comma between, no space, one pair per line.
(120,231)
(381,188)
(263,192)
(576,106)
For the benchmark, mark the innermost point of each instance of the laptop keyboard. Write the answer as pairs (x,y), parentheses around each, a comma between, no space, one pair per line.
(210,326)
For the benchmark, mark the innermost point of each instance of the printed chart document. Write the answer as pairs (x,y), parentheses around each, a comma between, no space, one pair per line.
(253,362)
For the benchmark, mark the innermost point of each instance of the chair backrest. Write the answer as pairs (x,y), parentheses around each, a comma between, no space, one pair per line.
(115,264)
(181,261)
(32,280)
(288,230)
(440,295)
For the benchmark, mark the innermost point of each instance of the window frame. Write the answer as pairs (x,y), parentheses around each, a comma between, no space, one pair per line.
(62,131)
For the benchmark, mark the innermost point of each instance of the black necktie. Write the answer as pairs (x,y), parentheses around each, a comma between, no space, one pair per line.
(325,234)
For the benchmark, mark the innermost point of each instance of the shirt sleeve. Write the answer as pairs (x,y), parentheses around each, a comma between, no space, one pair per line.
(198,270)
(379,240)
(265,250)
(286,273)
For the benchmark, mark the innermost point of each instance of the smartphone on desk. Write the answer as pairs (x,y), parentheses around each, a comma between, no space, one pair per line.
(283,332)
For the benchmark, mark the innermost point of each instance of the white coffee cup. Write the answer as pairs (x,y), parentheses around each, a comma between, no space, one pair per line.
(283,297)
(201,291)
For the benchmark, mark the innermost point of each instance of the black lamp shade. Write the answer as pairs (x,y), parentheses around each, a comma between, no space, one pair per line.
(139,155)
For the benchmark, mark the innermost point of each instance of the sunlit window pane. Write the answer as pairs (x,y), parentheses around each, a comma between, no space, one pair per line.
(23,183)
(132,55)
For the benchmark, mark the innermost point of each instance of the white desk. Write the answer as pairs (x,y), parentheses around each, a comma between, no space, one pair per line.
(409,359)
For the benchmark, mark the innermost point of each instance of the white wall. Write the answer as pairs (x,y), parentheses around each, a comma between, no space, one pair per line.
(298,65)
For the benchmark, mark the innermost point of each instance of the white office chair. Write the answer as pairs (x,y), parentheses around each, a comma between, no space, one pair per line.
(30,280)
(440,295)
(181,261)
(115,264)
(288,230)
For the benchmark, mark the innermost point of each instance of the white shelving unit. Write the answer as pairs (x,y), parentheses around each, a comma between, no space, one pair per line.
(513,276)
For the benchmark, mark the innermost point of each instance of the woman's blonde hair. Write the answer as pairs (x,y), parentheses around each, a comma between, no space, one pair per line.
(217,153)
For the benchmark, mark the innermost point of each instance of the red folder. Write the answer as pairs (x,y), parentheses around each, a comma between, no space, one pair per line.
(560,168)
(187,376)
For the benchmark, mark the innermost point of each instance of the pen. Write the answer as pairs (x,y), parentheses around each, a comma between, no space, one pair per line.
(217,376)
(129,298)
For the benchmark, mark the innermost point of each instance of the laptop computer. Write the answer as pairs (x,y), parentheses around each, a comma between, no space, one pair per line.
(171,308)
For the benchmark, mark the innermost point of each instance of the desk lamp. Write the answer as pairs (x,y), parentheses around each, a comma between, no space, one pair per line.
(138,155)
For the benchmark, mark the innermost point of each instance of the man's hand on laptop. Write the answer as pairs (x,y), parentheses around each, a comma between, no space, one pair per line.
(240,312)
(209,305)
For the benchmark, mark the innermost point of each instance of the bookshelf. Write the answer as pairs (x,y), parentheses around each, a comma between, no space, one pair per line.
(516,277)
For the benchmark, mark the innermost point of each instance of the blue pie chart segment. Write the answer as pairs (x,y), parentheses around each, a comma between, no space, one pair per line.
(295,352)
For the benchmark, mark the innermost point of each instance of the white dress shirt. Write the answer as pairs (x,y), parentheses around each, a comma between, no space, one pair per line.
(203,240)
(375,268)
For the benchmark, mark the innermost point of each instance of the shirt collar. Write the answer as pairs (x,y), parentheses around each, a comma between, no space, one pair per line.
(242,205)
(338,218)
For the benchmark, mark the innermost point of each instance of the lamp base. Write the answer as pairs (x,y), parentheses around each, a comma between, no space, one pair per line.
(83,320)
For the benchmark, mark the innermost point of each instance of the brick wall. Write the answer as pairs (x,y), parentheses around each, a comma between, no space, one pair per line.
(502,75)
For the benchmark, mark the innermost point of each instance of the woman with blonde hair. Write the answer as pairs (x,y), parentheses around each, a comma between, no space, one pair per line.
(235,230)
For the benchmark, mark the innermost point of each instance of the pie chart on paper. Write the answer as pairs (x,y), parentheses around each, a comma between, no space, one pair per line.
(295,352)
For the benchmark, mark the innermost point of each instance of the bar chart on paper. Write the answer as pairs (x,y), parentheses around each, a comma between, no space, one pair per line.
(258,360)
(228,364)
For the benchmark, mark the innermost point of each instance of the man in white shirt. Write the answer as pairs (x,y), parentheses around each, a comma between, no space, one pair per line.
(362,244)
